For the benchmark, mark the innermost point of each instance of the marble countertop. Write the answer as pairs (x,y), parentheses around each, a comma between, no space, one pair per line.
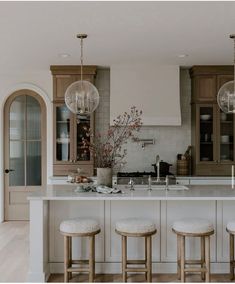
(195,192)
(178,177)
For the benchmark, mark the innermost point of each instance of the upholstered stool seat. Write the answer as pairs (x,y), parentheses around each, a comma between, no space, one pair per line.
(193,228)
(231,230)
(136,227)
(231,227)
(79,227)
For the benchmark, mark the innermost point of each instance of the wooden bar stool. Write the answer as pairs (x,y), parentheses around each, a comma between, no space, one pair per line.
(79,227)
(193,228)
(231,230)
(134,227)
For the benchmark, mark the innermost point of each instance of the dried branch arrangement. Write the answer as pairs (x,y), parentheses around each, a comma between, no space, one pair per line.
(107,148)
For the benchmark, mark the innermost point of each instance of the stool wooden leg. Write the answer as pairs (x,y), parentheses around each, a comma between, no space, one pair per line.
(203,256)
(92,259)
(145,250)
(124,258)
(66,258)
(207,257)
(70,256)
(182,258)
(178,257)
(231,238)
(149,259)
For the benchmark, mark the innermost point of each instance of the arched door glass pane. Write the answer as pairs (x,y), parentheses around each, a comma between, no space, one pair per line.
(25,142)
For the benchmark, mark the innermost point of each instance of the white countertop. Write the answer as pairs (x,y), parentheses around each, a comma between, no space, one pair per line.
(178,177)
(195,192)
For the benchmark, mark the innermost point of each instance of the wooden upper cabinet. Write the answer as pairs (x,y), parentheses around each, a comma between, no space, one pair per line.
(64,76)
(206,81)
(205,88)
(222,79)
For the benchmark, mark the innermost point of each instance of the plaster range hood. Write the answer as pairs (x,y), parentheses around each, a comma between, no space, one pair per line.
(154,89)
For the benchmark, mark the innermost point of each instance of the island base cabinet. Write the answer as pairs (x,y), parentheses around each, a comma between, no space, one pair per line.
(164,243)
(225,213)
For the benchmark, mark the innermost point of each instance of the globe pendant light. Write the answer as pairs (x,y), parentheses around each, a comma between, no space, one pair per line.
(226,95)
(82,97)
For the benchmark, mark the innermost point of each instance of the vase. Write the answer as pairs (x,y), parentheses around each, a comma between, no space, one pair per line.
(105,176)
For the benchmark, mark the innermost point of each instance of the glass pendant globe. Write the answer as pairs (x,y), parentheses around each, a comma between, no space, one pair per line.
(226,97)
(82,97)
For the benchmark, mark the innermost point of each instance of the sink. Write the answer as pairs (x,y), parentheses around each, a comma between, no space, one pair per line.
(170,187)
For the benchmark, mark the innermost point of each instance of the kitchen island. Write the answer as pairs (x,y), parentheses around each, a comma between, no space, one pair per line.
(59,202)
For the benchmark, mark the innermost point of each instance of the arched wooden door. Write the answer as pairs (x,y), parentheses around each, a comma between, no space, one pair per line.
(24,150)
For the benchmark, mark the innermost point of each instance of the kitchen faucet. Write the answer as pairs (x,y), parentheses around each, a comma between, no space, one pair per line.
(131,184)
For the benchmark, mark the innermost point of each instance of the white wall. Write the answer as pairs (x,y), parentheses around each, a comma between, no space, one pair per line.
(40,82)
(152,88)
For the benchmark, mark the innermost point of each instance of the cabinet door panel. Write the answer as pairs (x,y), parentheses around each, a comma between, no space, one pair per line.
(62,82)
(172,211)
(225,213)
(205,88)
(206,133)
(222,79)
(62,210)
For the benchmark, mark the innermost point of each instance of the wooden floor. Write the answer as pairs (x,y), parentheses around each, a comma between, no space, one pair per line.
(14,251)
(138,278)
(14,259)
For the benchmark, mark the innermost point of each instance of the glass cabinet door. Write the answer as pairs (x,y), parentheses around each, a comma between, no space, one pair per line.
(83,132)
(226,138)
(63,133)
(207,135)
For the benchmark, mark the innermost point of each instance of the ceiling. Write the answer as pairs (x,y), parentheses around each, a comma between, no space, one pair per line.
(34,33)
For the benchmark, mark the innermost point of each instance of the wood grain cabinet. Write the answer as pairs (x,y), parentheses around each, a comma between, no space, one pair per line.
(69,153)
(212,130)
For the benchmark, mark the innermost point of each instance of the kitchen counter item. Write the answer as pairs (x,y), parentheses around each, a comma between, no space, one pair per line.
(205,117)
(164,168)
(224,138)
(183,167)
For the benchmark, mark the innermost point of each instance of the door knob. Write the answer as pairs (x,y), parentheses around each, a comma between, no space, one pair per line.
(8,170)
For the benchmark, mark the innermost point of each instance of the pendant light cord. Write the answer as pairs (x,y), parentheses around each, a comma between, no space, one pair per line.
(234,66)
(81,58)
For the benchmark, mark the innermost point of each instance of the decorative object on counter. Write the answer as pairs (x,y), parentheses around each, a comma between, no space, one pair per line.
(97,188)
(78,177)
(107,148)
(184,163)
(82,97)
(105,176)
(226,94)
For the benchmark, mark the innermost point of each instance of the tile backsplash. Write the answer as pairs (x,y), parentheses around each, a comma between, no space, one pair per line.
(169,140)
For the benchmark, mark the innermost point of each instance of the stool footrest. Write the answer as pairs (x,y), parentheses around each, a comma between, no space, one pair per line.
(77,269)
(194,269)
(80,261)
(136,270)
(136,261)
(192,262)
